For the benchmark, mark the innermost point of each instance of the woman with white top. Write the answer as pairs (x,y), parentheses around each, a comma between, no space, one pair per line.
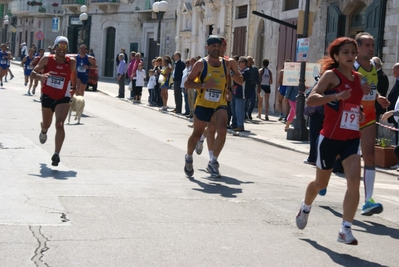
(266,78)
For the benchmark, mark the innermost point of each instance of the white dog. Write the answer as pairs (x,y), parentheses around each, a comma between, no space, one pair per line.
(77,105)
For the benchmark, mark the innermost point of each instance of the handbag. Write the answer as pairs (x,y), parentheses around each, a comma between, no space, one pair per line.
(130,86)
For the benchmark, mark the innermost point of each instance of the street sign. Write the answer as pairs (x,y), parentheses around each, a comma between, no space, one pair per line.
(292,72)
(302,49)
(13,29)
(39,35)
(55,26)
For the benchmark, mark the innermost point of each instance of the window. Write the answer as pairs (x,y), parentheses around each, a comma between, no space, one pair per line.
(242,12)
(291,4)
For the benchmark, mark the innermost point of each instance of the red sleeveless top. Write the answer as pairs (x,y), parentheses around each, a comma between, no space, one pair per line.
(57,83)
(341,118)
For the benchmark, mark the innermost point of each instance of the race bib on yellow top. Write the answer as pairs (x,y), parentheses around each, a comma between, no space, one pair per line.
(56,82)
(213,95)
(372,96)
(350,117)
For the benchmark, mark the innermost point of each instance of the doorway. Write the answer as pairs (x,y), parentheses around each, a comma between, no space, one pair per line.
(286,49)
(110,52)
(152,52)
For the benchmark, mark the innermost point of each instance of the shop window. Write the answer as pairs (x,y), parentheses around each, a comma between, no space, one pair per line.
(291,4)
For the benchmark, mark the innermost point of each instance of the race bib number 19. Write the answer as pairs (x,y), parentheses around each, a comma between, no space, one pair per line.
(213,95)
(350,117)
(56,82)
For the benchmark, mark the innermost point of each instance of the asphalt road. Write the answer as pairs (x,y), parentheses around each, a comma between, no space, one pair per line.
(120,197)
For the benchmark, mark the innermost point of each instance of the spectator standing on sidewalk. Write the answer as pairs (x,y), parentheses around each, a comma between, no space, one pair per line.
(140,76)
(130,72)
(183,80)
(165,80)
(24,50)
(121,76)
(290,95)
(242,92)
(266,77)
(282,103)
(124,56)
(157,73)
(151,88)
(137,61)
(177,77)
(251,90)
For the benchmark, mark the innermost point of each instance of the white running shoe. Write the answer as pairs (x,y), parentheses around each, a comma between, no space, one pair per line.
(199,147)
(42,137)
(345,236)
(302,218)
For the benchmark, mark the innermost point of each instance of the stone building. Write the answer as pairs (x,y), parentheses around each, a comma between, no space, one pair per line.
(113,24)
(248,34)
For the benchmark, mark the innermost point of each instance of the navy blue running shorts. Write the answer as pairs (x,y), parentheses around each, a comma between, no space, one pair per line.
(329,149)
(205,114)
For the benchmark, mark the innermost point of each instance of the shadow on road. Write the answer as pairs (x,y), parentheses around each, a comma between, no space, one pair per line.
(342,259)
(369,227)
(217,188)
(46,172)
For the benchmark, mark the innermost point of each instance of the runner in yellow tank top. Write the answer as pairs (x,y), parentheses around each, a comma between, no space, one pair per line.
(368,101)
(365,42)
(216,96)
(211,103)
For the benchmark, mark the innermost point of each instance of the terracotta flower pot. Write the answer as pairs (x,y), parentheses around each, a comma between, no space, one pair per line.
(385,157)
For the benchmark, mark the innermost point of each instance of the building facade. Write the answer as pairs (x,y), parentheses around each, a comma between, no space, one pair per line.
(251,35)
(113,24)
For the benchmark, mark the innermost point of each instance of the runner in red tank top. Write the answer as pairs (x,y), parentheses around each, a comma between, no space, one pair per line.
(340,92)
(55,78)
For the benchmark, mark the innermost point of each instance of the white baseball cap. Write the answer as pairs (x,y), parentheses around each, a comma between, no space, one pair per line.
(60,39)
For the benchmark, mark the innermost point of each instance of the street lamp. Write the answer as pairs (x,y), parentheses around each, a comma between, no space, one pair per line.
(6,22)
(83,18)
(160,8)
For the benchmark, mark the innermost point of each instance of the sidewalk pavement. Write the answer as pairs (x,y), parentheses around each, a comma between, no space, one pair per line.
(270,132)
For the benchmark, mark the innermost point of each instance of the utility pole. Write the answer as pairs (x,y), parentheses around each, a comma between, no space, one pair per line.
(300,131)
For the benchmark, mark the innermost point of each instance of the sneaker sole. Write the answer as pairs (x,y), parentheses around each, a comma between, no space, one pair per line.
(374,210)
(353,242)
(187,172)
(55,162)
(301,226)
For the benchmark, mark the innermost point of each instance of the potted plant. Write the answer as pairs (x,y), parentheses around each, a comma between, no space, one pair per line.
(384,153)
(32,3)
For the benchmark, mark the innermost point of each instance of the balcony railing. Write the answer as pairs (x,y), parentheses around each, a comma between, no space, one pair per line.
(22,7)
(104,1)
(73,2)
